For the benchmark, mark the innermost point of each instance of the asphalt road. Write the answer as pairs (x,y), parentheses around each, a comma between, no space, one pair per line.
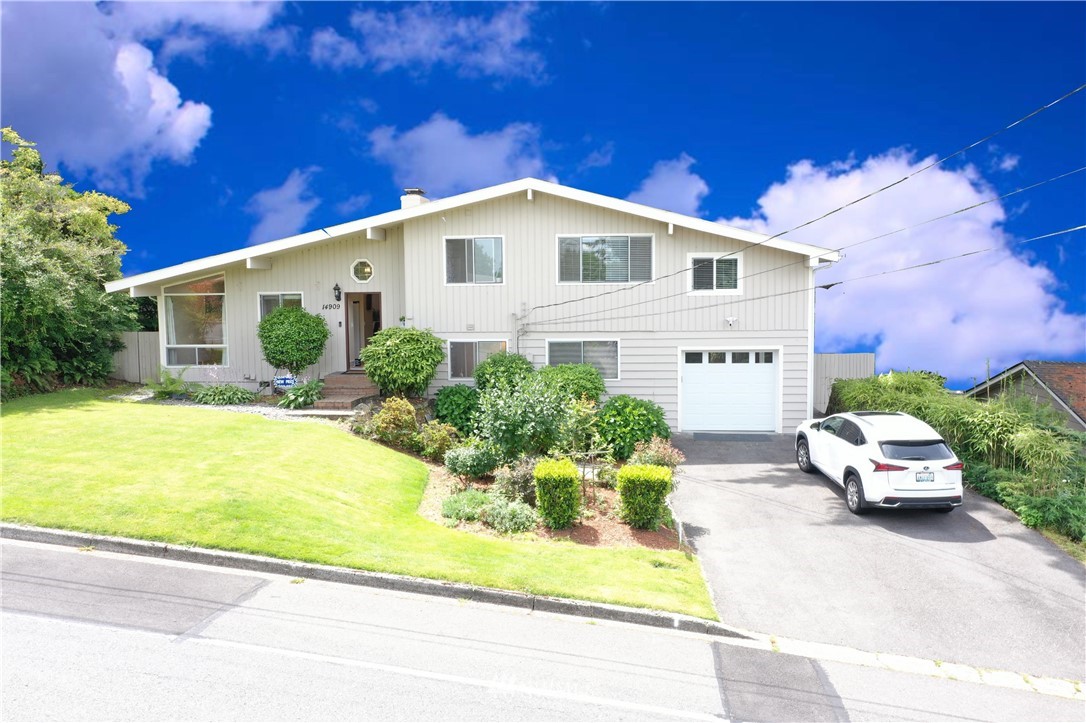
(99,636)
(784,556)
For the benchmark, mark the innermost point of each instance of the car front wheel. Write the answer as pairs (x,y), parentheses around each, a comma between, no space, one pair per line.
(803,456)
(854,495)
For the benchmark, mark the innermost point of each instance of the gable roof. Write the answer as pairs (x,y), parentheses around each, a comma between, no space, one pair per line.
(1065,381)
(374,227)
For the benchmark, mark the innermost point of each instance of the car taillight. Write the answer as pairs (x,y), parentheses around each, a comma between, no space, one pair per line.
(958,466)
(883,467)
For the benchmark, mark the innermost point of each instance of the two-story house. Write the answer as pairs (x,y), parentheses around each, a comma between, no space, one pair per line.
(715,324)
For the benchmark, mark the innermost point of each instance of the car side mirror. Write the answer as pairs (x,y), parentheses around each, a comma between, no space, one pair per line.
(816,425)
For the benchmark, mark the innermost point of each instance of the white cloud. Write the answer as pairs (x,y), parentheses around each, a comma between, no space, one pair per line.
(673,186)
(353,204)
(953,318)
(1009,162)
(81,80)
(283,211)
(443,157)
(599,158)
(420,36)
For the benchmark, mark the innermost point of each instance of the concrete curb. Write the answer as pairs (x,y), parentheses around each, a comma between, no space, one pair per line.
(385,581)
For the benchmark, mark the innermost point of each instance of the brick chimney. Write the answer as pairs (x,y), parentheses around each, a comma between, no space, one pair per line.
(413,197)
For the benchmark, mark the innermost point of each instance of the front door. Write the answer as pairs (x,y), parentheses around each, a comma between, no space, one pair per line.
(363,321)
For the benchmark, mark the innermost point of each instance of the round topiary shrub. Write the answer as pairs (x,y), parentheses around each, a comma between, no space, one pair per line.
(577,381)
(624,421)
(456,405)
(402,360)
(396,423)
(292,338)
(502,370)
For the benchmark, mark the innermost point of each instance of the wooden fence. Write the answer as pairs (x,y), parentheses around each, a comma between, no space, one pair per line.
(138,362)
(828,367)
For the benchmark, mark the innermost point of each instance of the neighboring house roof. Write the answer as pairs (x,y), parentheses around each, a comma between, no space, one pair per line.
(1065,381)
(373,227)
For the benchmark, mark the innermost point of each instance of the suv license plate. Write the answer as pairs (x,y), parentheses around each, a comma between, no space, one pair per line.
(925,476)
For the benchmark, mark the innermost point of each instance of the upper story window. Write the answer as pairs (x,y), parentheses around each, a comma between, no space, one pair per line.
(271,302)
(195,314)
(715,273)
(474,260)
(604,259)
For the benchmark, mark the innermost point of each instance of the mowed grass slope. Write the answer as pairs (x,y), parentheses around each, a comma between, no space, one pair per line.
(187,475)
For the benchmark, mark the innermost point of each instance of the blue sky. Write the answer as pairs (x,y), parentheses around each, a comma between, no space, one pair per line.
(228,124)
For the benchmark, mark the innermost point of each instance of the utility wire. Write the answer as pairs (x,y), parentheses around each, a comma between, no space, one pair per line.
(818,286)
(842,248)
(825,215)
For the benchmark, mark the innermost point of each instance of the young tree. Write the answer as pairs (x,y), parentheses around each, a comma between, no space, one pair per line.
(292,338)
(57,249)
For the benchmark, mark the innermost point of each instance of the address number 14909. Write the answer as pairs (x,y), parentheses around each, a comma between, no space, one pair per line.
(329,306)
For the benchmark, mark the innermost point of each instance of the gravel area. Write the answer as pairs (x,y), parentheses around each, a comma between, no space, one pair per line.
(146,396)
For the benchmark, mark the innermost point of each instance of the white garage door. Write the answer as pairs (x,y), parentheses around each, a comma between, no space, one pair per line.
(729,391)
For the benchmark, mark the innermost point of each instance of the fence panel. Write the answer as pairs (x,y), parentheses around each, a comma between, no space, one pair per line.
(829,367)
(138,362)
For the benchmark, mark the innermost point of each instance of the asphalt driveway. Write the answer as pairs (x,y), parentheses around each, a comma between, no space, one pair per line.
(784,556)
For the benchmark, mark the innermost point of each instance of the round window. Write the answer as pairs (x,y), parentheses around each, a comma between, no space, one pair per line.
(362,271)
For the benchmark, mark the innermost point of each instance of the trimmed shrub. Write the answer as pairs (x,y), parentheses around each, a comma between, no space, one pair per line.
(396,423)
(643,488)
(474,458)
(503,369)
(508,517)
(624,421)
(465,506)
(456,405)
(435,439)
(301,395)
(577,381)
(515,482)
(558,492)
(292,338)
(521,420)
(220,394)
(658,452)
(402,361)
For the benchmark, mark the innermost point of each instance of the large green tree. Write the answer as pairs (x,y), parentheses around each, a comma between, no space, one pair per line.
(57,249)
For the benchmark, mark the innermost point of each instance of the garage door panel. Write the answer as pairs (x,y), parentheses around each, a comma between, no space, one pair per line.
(729,396)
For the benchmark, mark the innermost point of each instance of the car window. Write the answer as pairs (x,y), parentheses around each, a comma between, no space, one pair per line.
(832,424)
(850,433)
(916,450)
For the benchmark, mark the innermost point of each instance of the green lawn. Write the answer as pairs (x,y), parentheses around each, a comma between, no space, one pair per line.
(186,475)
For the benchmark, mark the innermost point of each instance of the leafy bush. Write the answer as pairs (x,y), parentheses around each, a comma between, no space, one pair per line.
(643,488)
(402,360)
(516,482)
(292,338)
(521,420)
(396,422)
(624,421)
(578,381)
(169,386)
(657,451)
(474,458)
(435,439)
(508,517)
(503,369)
(578,433)
(465,506)
(302,395)
(456,405)
(558,492)
(222,394)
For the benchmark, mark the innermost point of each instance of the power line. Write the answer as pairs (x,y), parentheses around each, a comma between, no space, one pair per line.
(819,286)
(825,215)
(842,248)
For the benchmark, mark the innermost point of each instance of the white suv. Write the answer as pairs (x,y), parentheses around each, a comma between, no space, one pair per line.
(882,459)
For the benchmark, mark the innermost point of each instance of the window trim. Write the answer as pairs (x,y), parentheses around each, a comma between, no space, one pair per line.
(473,340)
(737,291)
(558,260)
(618,351)
(373,268)
(445,259)
(261,294)
(164,346)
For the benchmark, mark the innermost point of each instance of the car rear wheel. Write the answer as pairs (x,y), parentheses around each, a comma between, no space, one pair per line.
(803,456)
(854,495)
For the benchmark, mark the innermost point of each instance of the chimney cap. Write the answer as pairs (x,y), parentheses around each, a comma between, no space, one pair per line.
(414,192)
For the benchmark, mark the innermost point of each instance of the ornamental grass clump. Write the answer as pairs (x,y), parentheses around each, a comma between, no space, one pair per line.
(643,489)
(558,492)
